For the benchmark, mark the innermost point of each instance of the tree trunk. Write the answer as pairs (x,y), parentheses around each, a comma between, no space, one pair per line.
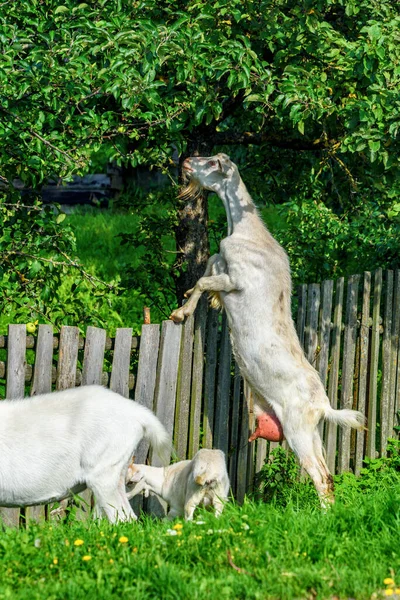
(191,233)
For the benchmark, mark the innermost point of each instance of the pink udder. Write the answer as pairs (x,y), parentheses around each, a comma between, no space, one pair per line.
(269,428)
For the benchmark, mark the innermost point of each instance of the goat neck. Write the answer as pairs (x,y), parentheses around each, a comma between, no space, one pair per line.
(154,477)
(239,206)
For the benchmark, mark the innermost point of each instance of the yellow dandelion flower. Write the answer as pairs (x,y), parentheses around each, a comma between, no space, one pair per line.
(55,561)
(78,543)
(178,526)
(86,557)
(123,539)
(397,591)
(111,561)
(134,550)
(389,592)
(388,581)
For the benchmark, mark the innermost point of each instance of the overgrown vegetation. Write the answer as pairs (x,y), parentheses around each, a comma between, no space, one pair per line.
(304,96)
(279,481)
(258,551)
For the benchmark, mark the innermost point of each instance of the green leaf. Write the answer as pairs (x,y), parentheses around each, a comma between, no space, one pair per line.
(300,127)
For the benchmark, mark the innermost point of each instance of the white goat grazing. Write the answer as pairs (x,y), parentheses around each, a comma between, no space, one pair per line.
(54,445)
(251,276)
(186,484)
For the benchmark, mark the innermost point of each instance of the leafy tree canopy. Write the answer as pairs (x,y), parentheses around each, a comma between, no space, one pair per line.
(305,94)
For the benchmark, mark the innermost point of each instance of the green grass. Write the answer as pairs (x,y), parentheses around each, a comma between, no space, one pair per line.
(293,552)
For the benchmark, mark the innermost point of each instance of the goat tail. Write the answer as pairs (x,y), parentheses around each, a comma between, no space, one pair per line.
(345,417)
(157,436)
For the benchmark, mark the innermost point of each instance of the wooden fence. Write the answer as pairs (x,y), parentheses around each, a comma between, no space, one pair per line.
(187,375)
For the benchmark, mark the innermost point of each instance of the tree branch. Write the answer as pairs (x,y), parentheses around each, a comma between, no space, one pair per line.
(222,138)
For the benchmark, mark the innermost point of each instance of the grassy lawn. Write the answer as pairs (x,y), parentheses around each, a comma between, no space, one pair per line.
(258,551)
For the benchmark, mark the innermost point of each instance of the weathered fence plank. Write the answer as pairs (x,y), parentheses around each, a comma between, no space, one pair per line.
(67,357)
(92,372)
(15,388)
(210,377)
(349,352)
(374,360)
(197,377)
(93,357)
(325,330)
(234,441)
(145,387)
(182,408)
(42,371)
(121,361)
(386,362)
(41,384)
(395,357)
(146,377)
(242,460)
(221,426)
(301,311)
(165,391)
(311,335)
(331,429)
(363,368)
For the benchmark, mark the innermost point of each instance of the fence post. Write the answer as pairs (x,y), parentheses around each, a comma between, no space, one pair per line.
(373,375)
(349,351)
(362,384)
(15,388)
(165,391)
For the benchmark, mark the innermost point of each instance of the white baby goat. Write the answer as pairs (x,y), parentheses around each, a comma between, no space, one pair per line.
(186,484)
(54,445)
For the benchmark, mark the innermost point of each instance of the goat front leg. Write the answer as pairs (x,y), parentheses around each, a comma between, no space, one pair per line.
(215,265)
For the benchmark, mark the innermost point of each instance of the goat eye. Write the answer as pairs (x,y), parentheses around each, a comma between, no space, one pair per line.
(212,163)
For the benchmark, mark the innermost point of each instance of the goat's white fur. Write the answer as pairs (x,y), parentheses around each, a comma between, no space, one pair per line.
(185,484)
(251,276)
(52,445)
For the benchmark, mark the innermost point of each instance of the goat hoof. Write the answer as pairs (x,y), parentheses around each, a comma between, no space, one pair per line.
(177,316)
(188,293)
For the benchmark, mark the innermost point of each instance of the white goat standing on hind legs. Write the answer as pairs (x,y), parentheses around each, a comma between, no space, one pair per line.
(251,276)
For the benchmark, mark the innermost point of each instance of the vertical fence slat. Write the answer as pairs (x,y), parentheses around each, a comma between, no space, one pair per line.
(386,361)
(182,408)
(93,357)
(165,391)
(325,330)
(67,357)
(221,426)
(119,381)
(241,477)
(249,401)
(197,377)
(234,429)
(311,331)
(146,377)
(363,368)
(395,366)
(41,384)
(374,359)
(92,371)
(331,430)
(15,388)
(66,375)
(301,311)
(349,352)
(209,377)
(144,388)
